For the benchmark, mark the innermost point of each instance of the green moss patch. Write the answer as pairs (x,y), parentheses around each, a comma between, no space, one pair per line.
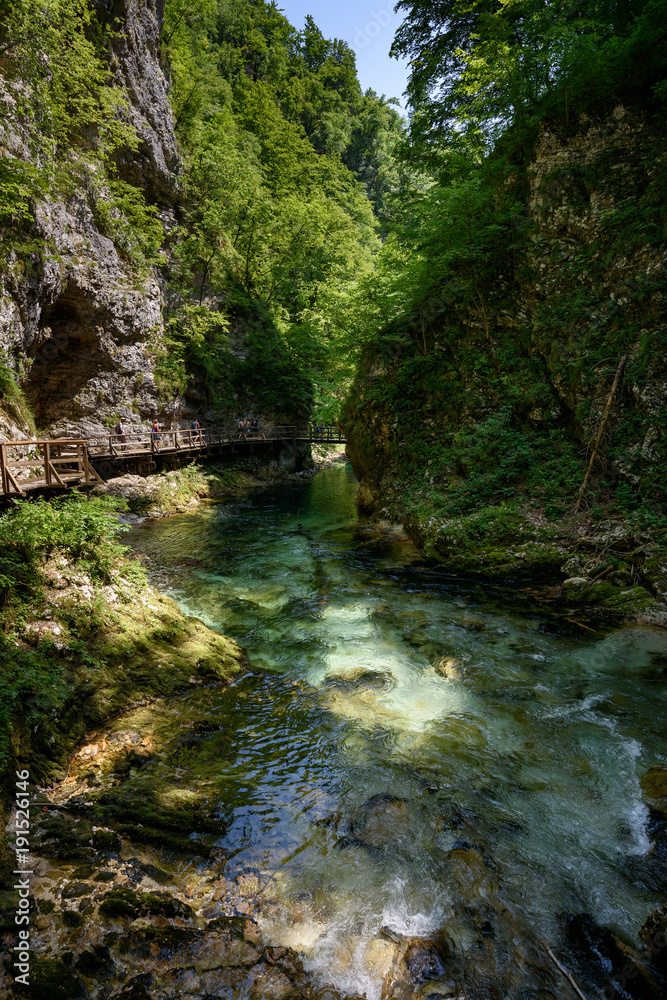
(52,980)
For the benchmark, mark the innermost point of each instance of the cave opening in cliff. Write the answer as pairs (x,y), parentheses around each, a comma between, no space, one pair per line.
(67,354)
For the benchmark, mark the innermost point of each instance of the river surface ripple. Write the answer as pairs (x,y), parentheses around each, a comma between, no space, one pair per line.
(530,747)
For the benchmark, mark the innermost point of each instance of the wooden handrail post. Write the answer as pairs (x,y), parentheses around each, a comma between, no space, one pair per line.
(3,467)
(47,466)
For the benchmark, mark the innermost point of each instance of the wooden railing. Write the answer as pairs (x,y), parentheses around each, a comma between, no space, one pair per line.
(60,463)
(146,442)
(27,464)
(324,433)
(137,442)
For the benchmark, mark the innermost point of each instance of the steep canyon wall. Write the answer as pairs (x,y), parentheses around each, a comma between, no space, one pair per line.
(490,402)
(76,322)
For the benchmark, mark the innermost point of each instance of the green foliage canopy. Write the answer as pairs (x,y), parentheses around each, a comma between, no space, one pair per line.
(479,66)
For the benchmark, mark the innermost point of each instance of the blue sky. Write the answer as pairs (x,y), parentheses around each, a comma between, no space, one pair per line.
(368,27)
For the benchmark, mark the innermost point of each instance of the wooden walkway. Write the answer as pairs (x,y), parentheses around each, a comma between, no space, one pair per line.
(67,463)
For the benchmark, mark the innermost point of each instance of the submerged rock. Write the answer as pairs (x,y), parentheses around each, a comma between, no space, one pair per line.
(469,875)
(268,983)
(382,821)
(654,789)
(450,668)
(422,962)
(361,679)
(52,980)
(436,988)
(607,962)
(654,936)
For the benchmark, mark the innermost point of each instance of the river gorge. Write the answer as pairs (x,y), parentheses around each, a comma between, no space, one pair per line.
(415,785)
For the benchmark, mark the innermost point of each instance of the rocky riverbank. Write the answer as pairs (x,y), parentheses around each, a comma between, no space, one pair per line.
(473,417)
(83,638)
(611,567)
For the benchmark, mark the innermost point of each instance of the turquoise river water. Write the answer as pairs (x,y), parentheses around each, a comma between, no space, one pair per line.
(397,717)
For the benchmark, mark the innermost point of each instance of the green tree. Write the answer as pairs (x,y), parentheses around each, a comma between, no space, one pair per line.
(487,64)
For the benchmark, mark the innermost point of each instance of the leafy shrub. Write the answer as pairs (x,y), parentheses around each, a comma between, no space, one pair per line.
(12,399)
(81,528)
(122,213)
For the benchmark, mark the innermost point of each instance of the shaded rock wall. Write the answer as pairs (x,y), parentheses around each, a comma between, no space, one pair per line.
(588,287)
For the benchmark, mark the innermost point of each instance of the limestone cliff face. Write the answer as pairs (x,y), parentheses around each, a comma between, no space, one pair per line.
(78,324)
(588,290)
(137,71)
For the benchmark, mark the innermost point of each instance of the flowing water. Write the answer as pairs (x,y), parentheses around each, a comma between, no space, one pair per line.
(399,718)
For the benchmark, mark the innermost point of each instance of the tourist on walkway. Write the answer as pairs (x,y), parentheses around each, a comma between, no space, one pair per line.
(119,431)
(196,427)
(155,436)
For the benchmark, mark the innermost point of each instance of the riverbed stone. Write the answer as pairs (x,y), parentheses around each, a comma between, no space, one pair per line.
(52,980)
(266,982)
(96,964)
(654,789)
(72,918)
(76,889)
(361,679)
(653,934)
(137,988)
(449,667)
(436,988)
(422,961)
(179,982)
(470,876)
(218,951)
(382,821)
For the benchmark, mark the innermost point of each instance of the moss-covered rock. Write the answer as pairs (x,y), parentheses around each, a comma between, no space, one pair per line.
(127,903)
(53,980)
(119,644)
(63,837)
(494,542)
(138,646)
(96,964)
(179,490)
(107,840)
(121,903)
